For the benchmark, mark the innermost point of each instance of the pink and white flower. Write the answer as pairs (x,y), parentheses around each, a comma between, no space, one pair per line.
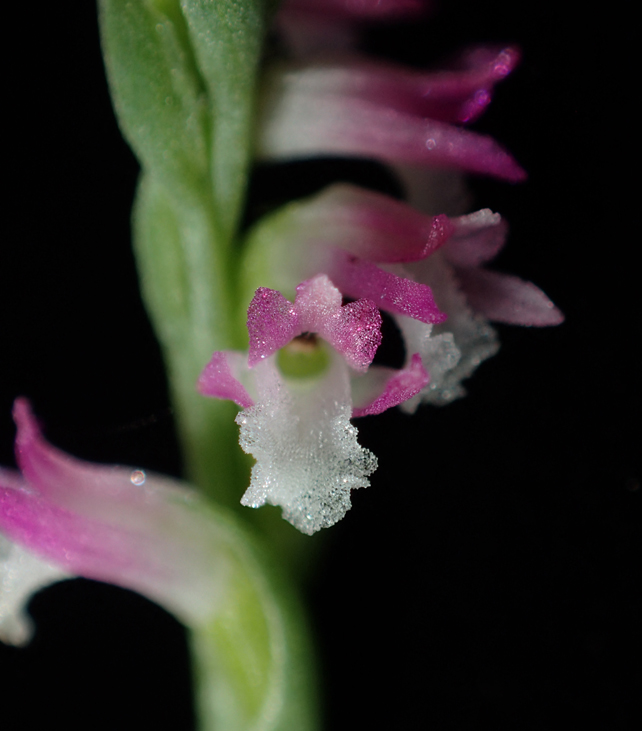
(359,107)
(296,419)
(415,267)
(61,517)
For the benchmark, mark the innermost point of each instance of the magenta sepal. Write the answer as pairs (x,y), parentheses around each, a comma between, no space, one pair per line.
(221,378)
(398,386)
(302,122)
(370,225)
(80,545)
(353,330)
(459,96)
(110,523)
(508,299)
(358,278)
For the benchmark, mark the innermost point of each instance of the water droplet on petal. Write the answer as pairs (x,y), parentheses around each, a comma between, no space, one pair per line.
(138,477)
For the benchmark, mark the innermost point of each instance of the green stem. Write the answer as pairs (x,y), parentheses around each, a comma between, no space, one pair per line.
(254,669)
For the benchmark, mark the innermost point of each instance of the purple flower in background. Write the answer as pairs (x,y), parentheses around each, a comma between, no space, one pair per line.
(310,25)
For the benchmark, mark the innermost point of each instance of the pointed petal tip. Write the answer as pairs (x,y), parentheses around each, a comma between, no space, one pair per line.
(219,379)
(508,299)
(23,413)
(401,386)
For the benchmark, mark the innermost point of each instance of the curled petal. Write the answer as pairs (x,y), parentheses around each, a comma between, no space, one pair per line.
(451,351)
(478,238)
(447,96)
(221,378)
(303,123)
(382,388)
(307,456)
(114,524)
(508,299)
(462,95)
(358,278)
(21,575)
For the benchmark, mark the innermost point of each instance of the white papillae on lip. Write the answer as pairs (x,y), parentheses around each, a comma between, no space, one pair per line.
(307,456)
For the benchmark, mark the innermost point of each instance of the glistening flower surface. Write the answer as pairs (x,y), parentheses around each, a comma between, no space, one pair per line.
(418,268)
(297,424)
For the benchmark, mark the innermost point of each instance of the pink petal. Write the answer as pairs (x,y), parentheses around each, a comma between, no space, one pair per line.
(354,330)
(271,322)
(400,386)
(111,523)
(80,545)
(447,96)
(304,123)
(217,379)
(91,489)
(12,479)
(462,95)
(369,225)
(478,238)
(357,278)
(508,299)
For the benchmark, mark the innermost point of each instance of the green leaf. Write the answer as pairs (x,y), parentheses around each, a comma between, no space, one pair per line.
(227,37)
(158,94)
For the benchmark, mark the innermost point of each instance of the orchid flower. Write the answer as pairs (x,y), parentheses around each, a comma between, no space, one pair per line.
(353,106)
(62,517)
(297,397)
(415,267)
(314,277)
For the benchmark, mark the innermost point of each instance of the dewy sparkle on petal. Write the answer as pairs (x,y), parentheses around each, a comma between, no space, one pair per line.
(296,419)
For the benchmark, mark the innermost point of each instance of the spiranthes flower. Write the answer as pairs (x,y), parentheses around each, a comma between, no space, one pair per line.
(349,105)
(306,374)
(64,517)
(425,271)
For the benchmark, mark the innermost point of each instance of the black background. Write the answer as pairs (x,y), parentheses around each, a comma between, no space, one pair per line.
(489,576)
